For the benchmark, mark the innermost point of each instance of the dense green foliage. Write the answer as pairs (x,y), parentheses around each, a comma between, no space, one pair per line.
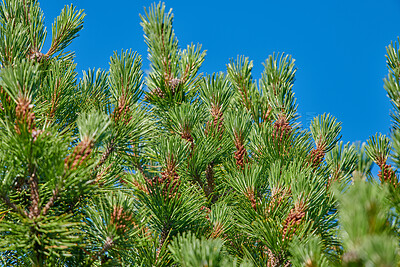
(178,168)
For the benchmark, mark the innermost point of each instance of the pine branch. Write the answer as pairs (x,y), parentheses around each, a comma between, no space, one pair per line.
(13,206)
(240,75)
(65,28)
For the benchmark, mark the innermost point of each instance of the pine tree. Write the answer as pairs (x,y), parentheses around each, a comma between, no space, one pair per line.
(179,168)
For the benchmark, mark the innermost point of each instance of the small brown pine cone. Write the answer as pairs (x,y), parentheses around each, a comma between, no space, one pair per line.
(140,186)
(240,152)
(389,175)
(158,92)
(24,114)
(266,116)
(282,129)
(120,219)
(78,156)
(170,180)
(252,198)
(121,112)
(219,121)
(173,84)
(239,155)
(316,157)
(294,219)
(36,55)
(273,261)
(207,211)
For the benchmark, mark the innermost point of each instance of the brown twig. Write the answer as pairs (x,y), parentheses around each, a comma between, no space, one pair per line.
(51,201)
(34,210)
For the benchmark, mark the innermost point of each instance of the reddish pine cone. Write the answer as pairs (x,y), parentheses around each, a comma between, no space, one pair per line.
(158,92)
(293,219)
(282,129)
(36,55)
(24,114)
(217,122)
(120,219)
(316,157)
(252,198)
(170,180)
(79,155)
(239,155)
(389,175)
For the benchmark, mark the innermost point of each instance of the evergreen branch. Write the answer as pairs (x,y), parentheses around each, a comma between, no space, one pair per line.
(13,206)
(141,170)
(325,131)
(276,84)
(125,79)
(378,149)
(216,92)
(239,73)
(65,28)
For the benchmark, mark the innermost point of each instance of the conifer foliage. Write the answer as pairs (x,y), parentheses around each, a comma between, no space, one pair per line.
(179,168)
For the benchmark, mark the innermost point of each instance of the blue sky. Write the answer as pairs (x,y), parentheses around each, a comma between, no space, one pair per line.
(339,46)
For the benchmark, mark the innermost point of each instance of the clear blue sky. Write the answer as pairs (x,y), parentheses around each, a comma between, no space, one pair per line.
(339,46)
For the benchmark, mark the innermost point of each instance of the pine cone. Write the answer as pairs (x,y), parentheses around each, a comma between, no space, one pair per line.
(389,175)
(36,55)
(158,92)
(273,261)
(217,122)
(170,180)
(293,219)
(24,114)
(122,111)
(173,84)
(78,156)
(282,129)
(218,117)
(120,219)
(316,157)
(240,153)
(251,196)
